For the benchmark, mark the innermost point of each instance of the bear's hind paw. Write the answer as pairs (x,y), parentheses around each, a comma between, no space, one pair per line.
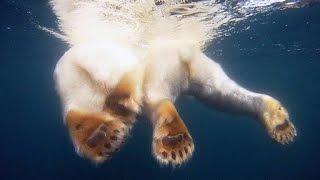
(94,137)
(283,133)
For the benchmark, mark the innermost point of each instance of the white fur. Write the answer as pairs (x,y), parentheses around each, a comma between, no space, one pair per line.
(86,73)
(159,53)
(149,44)
(135,22)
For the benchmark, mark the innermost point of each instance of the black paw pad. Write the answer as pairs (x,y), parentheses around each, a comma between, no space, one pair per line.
(164,154)
(107,145)
(282,126)
(172,140)
(103,128)
(186,150)
(173,155)
(95,139)
(114,138)
(180,154)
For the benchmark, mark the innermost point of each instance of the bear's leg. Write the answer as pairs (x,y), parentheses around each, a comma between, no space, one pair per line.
(211,85)
(165,79)
(172,143)
(98,116)
(97,135)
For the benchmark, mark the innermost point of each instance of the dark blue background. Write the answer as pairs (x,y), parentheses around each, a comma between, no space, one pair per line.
(279,54)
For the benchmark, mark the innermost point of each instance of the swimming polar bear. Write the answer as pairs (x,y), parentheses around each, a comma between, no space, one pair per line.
(130,57)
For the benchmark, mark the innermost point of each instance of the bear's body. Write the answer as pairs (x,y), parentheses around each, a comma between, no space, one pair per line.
(104,81)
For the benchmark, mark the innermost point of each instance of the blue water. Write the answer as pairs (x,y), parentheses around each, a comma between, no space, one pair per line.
(277,54)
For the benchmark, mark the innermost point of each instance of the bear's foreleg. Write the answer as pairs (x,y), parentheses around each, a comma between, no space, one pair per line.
(172,142)
(164,81)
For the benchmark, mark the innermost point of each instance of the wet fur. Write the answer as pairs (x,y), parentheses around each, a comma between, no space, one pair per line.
(108,82)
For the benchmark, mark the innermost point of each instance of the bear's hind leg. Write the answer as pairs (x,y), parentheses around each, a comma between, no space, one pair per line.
(172,142)
(276,121)
(210,84)
(97,135)
(97,114)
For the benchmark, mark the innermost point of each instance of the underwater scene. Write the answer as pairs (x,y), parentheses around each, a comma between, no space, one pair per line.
(267,46)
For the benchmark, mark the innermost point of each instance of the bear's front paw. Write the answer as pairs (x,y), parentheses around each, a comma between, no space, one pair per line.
(172,143)
(174,149)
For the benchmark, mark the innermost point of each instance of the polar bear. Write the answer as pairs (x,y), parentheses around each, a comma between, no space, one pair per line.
(106,78)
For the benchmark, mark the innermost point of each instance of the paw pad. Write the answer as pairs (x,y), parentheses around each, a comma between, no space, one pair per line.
(172,140)
(283,133)
(174,149)
(96,138)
